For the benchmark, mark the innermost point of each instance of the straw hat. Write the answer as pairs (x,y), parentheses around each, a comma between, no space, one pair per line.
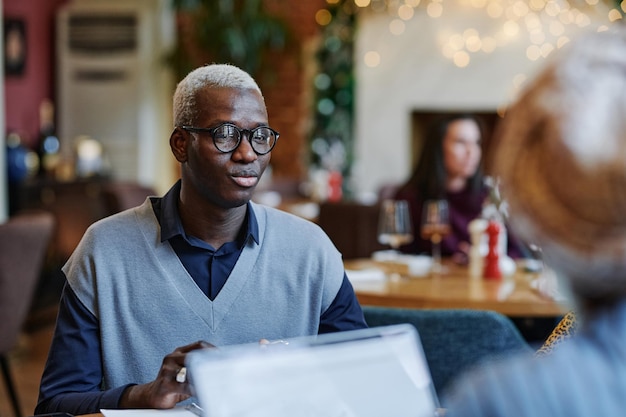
(561,155)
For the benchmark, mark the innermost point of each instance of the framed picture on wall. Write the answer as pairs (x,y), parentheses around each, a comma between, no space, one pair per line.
(14,46)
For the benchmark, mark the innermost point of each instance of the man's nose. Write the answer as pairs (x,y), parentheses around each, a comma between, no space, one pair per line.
(244,150)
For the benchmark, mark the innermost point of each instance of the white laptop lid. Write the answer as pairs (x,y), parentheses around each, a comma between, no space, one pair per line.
(376,372)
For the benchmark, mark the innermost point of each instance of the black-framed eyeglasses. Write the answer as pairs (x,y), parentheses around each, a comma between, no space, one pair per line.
(226,137)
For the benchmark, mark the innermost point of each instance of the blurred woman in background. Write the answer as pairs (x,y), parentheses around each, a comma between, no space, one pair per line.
(449,168)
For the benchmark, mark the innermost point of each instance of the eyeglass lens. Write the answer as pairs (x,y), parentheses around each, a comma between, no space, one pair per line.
(227,138)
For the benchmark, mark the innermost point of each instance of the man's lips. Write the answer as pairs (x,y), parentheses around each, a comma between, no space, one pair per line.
(246,179)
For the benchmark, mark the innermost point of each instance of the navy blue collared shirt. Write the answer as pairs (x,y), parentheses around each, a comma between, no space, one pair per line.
(73,373)
(208,267)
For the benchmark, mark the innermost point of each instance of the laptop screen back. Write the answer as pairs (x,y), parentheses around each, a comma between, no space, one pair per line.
(372,372)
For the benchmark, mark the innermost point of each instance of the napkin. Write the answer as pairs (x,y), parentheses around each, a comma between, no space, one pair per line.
(368,274)
(417,265)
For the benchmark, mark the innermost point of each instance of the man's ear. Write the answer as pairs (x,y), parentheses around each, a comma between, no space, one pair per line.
(178,144)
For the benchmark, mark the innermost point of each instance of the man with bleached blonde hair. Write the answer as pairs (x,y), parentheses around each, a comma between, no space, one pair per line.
(201,266)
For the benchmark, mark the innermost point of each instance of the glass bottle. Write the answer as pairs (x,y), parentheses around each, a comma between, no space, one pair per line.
(49,145)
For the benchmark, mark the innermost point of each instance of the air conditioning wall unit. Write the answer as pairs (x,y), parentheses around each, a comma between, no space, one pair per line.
(112,83)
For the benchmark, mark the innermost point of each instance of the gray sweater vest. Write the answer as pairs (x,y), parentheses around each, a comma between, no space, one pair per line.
(147,304)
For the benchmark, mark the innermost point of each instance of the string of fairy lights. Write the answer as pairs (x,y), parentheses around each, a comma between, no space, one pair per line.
(545,25)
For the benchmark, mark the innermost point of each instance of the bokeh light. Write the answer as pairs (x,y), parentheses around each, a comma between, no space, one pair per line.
(323,17)
(371,59)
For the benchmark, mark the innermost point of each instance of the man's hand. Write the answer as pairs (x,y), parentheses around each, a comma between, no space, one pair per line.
(165,391)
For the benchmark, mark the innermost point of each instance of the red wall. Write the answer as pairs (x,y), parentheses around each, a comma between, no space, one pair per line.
(24,93)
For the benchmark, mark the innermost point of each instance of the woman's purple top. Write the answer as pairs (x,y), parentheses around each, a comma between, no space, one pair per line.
(463,207)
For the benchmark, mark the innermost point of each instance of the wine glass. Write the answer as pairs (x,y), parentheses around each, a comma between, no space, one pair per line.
(435,225)
(394,224)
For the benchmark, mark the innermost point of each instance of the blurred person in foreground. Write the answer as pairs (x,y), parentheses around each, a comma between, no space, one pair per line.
(449,168)
(201,266)
(562,157)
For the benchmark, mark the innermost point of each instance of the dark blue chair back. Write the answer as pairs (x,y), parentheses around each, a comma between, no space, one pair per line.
(455,340)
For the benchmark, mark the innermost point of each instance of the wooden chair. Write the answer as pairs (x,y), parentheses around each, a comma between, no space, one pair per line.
(353,227)
(24,242)
(454,340)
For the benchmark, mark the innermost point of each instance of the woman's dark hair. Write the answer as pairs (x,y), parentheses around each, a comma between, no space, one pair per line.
(429,176)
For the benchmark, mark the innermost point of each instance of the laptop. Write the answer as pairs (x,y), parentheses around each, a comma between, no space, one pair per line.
(375,372)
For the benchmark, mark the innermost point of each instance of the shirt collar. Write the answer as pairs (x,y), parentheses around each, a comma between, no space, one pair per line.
(171,224)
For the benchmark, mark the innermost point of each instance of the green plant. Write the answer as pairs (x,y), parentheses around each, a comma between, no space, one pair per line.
(239,32)
(332,140)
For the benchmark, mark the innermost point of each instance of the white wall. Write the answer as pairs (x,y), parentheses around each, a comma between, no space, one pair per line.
(414,75)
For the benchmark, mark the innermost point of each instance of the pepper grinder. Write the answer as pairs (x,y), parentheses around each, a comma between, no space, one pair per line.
(477,231)
(492,260)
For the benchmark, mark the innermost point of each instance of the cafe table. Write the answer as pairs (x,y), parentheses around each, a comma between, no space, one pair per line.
(513,296)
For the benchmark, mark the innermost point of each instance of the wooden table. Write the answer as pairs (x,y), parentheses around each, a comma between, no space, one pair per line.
(513,297)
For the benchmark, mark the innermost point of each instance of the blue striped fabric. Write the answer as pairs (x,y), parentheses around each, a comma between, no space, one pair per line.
(584,376)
